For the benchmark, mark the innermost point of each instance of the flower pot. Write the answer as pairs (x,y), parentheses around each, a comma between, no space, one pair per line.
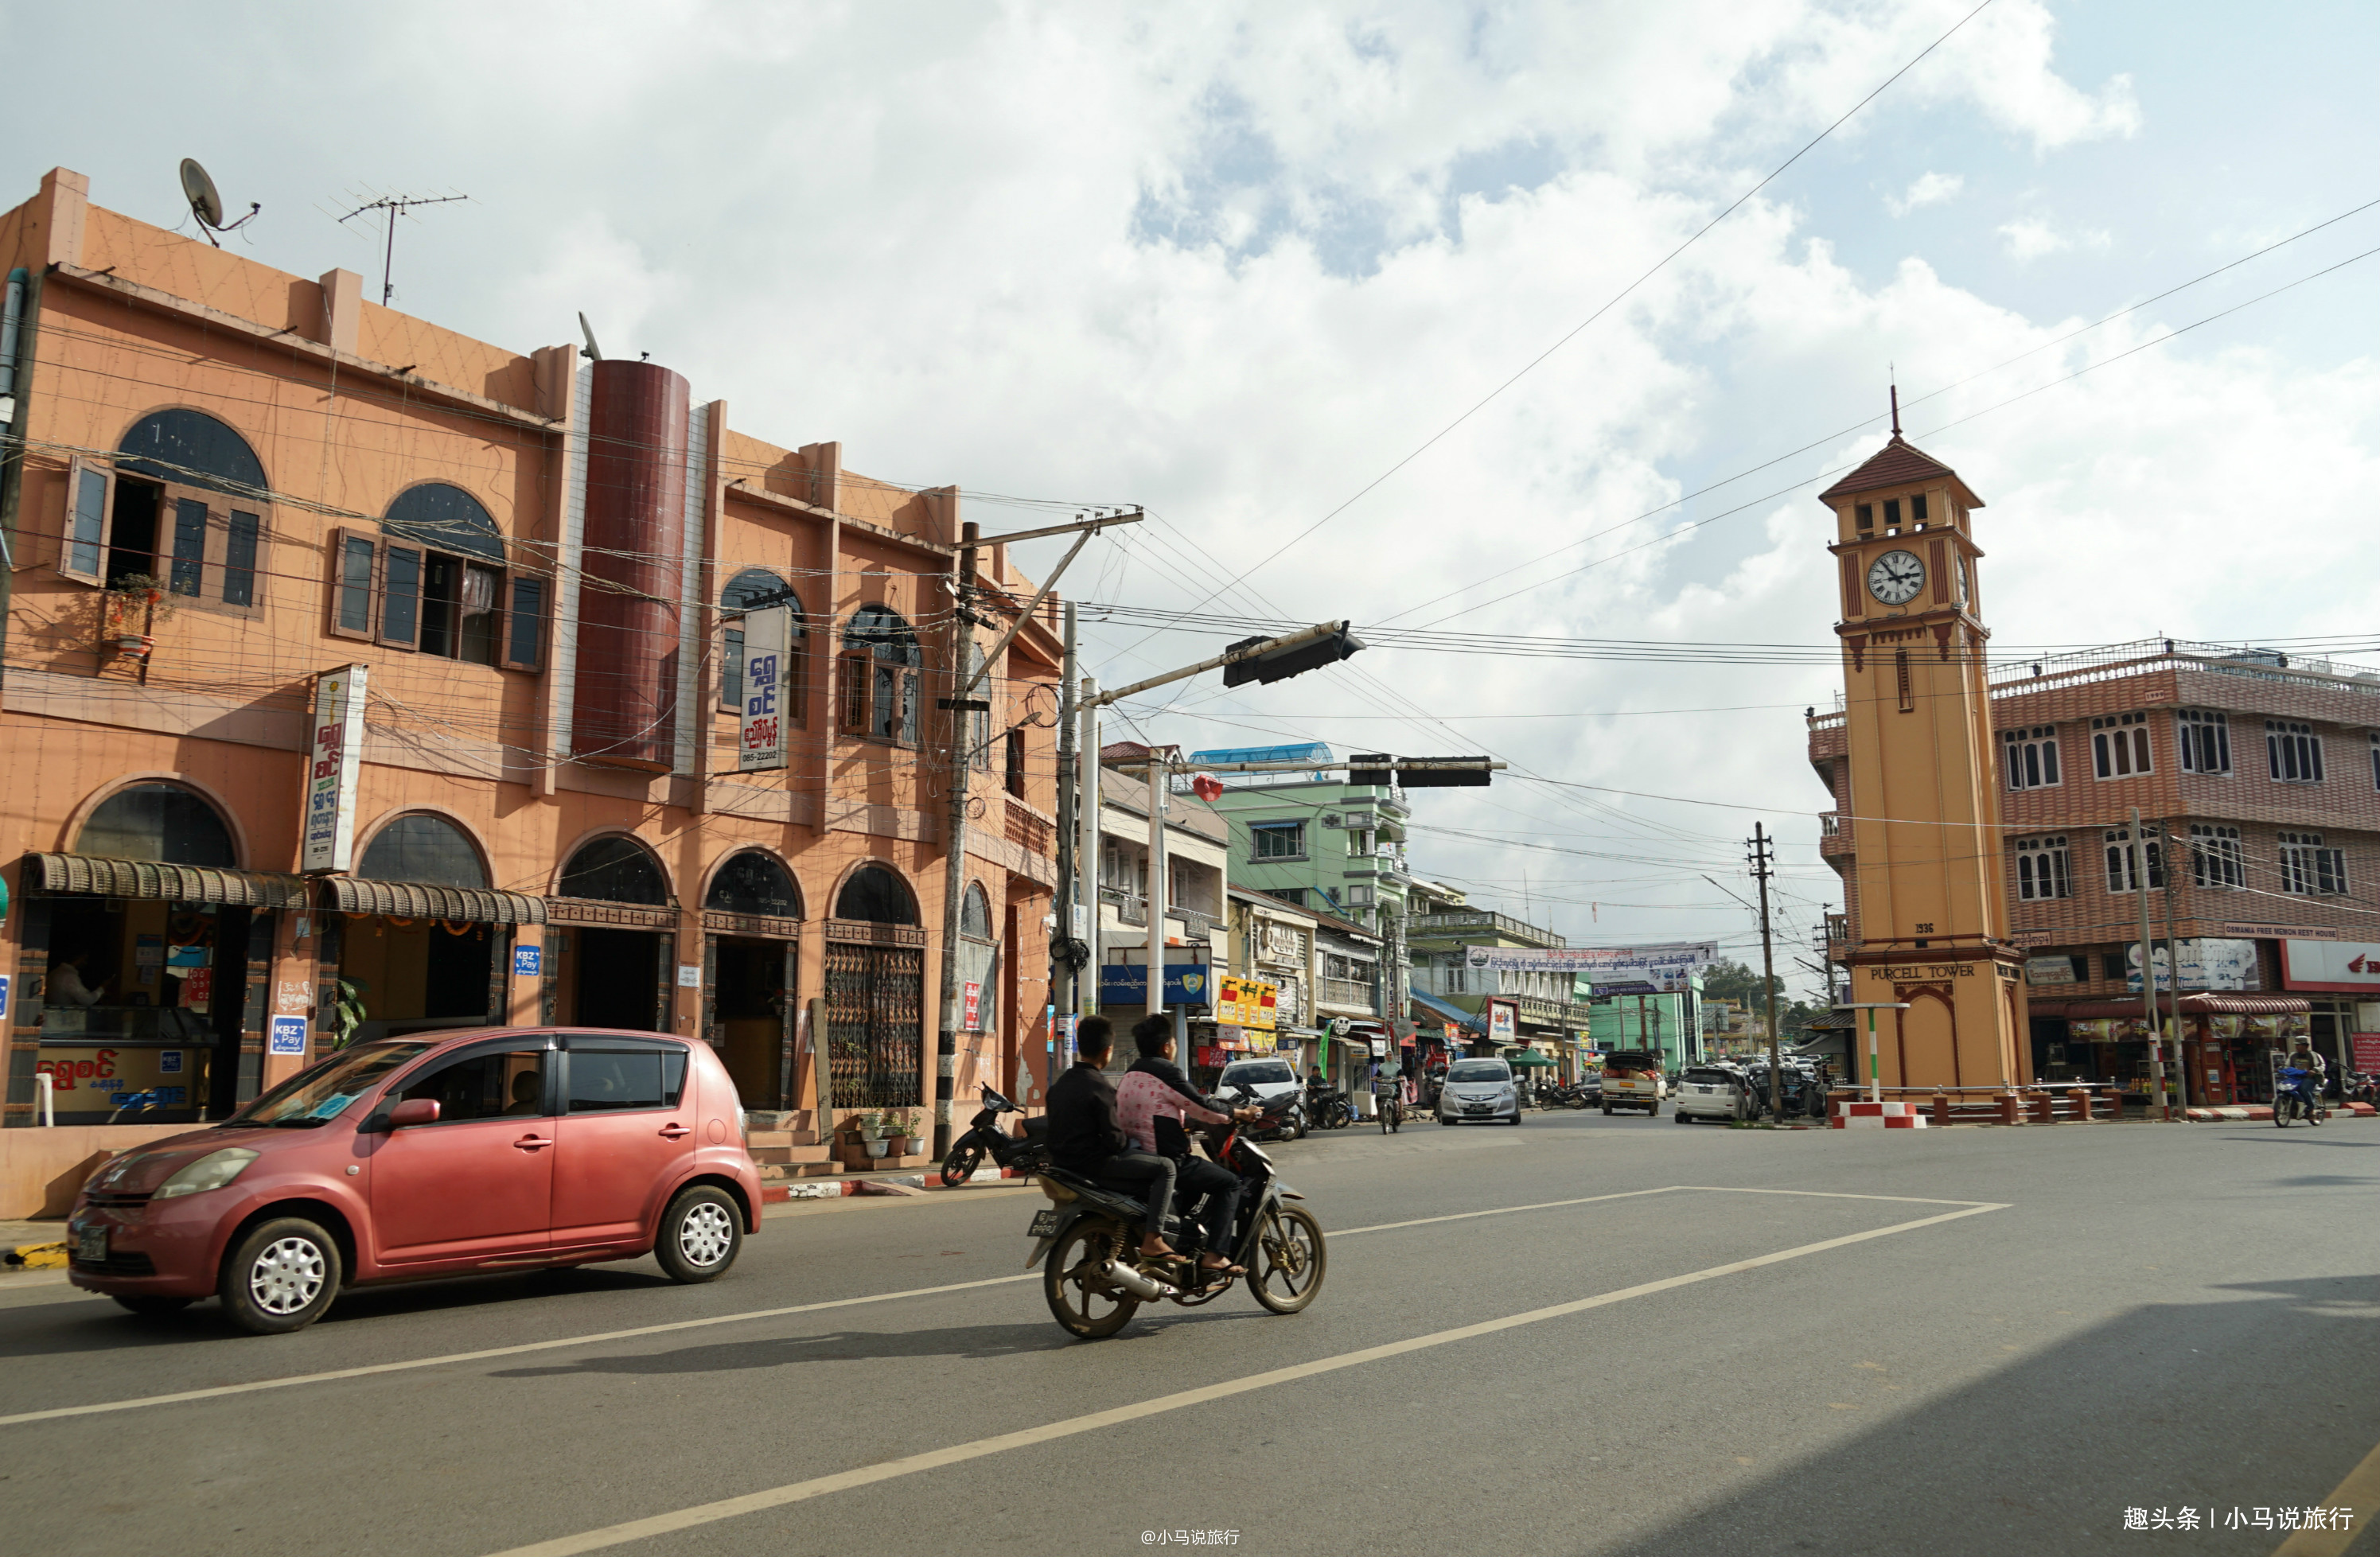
(877,1148)
(896,1146)
(135,646)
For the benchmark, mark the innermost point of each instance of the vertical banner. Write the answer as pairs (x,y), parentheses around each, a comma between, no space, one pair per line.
(762,742)
(334,757)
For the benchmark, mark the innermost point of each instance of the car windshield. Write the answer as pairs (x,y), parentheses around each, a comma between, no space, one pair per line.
(316,1096)
(1709,1077)
(1251,1072)
(1480,1070)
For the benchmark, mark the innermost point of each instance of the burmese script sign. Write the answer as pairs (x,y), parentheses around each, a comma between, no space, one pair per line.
(1623,970)
(333,759)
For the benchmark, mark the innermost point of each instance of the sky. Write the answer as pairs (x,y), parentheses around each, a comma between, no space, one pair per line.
(1249,267)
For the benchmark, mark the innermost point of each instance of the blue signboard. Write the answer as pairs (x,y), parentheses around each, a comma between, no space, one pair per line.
(528,961)
(3,997)
(1186,983)
(287,1036)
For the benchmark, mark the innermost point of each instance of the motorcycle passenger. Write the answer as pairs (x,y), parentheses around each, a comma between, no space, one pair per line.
(1155,1102)
(1086,1138)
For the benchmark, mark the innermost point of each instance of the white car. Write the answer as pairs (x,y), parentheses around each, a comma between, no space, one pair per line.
(1479,1092)
(1711,1092)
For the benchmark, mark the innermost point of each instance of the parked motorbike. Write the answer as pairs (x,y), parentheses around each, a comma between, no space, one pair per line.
(1329,1110)
(986,1138)
(2289,1103)
(1087,1244)
(2361,1086)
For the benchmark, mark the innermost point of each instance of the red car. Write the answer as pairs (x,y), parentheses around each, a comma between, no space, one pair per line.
(493,1149)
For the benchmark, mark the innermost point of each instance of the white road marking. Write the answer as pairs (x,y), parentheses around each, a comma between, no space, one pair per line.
(799,1491)
(490,1352)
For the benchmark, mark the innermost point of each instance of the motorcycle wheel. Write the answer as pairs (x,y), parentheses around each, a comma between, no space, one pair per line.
(1083,1309)
(961,1164)
(1290,1261)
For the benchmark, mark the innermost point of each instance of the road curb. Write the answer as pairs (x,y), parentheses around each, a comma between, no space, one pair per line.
(37,1256)
(883,1184)
(2238,1113)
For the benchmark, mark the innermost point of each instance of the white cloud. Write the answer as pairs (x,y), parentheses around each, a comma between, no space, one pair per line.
(2030,237)
(1931,189)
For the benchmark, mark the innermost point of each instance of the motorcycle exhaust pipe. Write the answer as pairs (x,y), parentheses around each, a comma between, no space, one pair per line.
(1117,1273)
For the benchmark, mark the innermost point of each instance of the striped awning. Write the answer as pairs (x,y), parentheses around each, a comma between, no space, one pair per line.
(2192,1005)
(420,900)
(158,881)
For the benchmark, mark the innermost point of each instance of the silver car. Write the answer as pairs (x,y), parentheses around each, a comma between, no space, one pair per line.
(1479,1092)
(1711,1092)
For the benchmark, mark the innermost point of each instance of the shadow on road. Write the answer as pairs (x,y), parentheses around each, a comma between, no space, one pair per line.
(2262,1400)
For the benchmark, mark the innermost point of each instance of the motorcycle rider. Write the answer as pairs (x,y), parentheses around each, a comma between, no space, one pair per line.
(1086,1138)
(1155,1102)
(2309,1086)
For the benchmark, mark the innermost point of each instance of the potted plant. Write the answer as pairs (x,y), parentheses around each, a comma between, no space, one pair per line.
(348,1013)
(135,604)
(896,1133)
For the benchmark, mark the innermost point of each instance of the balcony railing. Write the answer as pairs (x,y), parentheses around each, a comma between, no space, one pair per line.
(1346,993)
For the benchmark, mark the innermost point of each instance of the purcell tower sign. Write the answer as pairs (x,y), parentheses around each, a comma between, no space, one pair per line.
(1929,910)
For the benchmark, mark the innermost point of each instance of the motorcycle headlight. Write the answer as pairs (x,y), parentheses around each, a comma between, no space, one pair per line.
(210,1171)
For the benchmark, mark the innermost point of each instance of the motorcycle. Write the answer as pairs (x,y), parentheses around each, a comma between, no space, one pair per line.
(1329,1110)
(2288,1103)
(986,1138)
(1087,1244)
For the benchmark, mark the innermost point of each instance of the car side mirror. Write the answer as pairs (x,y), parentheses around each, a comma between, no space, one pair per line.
(413,1111)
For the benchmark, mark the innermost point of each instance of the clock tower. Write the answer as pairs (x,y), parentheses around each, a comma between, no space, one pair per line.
(1928,904)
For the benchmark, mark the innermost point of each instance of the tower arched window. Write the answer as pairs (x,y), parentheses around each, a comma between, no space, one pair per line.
(875,895)
(754,883)
(615,869)
(757,589)
(879,676)
(420,847)
(183,504)
(159,822)
(438,579)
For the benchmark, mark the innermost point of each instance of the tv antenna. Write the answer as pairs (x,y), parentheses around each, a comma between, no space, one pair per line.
(395,206)
(207,205)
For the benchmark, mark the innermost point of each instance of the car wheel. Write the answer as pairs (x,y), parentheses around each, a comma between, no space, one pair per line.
(1607,1111)
(702,1234)
(282,1276)
(1683,1118)
(152,1304)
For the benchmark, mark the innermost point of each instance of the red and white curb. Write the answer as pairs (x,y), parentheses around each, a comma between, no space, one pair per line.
(2240,1112)
(1888,1116)
(894,1184)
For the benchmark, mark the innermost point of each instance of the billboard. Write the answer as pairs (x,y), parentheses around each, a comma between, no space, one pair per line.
(1186,983)
(1501,1027)
(1627,970)
(1248,1002)
(334,760)
(760,741)
(2205,965)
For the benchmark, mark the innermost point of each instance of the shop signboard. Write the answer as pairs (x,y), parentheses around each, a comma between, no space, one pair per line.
(2365,1047)
(971,1007)
(2330,965)
(85,1078)
(2050,970)
(1186,983)
(760,741)
(529,962)
(1502,1024)
(335,756)
(287,1036)
(2205,965)
(1665,968)
(1248,1002)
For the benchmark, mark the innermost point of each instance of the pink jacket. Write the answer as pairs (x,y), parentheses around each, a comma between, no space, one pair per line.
(1142,1099)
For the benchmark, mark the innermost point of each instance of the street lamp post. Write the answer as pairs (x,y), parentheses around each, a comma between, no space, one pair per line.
(1874,1076)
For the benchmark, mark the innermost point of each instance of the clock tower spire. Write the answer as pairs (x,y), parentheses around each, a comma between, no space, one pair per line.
(1927,905)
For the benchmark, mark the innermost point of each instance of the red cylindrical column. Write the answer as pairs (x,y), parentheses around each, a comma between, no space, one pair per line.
(624,707)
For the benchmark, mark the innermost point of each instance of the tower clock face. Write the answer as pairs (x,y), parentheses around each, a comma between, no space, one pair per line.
(1895,576)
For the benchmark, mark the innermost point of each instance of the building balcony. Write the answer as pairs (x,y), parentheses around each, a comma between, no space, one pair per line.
(1834,835)
(1346,995)
(1030,830)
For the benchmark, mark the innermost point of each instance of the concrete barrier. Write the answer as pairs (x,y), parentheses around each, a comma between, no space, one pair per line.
(41,1169)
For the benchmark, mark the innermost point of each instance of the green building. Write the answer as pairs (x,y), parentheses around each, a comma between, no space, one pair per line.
(1670,1023)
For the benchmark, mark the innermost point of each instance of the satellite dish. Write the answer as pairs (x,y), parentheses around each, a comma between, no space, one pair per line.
(200,190)
(206,204)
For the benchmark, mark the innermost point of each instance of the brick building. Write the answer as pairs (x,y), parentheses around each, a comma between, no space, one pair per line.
(2258,780)
(342,649)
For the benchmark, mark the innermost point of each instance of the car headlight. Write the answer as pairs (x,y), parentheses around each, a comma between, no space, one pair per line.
(210,1171)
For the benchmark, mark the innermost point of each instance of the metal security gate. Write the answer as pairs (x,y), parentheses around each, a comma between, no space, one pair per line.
(876,1028)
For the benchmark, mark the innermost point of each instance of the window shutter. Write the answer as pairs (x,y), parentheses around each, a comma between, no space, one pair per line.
(190,518)
(853,670)
(524,621)
(240,543)
(909,708)
(797,673)
(355,563)
(82,539)
(400,607)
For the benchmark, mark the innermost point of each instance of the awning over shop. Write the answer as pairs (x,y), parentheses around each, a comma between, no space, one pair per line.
(420,900)
(1446,1011)
(2192,1004)
(156,882)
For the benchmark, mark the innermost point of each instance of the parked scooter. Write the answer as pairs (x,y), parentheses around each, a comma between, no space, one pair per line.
(986,1138)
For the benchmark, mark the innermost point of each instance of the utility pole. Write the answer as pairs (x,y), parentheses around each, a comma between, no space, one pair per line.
(1067,936)
(946,1046)
(1763,866)
(2139,851)
(2173,967)
(1087,845)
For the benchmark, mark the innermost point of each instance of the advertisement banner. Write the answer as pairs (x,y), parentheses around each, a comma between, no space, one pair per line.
(2365,1047)
(335,759)
(2329,965)
(1501,1026)
(971,1007)
(1186,983)
(2055,971)
(287,1036)
(1248,1002)
(2205,965)
(1629,971)
(761,742)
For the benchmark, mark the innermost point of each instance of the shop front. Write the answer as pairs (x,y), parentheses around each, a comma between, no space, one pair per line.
(611,958)
(751,961)
(415,958)
(2223,1045)
(148,984)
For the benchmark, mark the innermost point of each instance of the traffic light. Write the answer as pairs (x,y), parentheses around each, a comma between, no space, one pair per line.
(1296,660)
(1375,767)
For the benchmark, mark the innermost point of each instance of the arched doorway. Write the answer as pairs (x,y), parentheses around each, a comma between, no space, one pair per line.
(751,921)
(875,979)
(621,954)
(420,960)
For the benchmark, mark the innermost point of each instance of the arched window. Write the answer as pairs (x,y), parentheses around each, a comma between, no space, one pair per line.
(978,960)
(160,822)
(615,869)
(754,883)
(446,518)
(875,895)
(183,506)
(424,848)
(757,589)
(435,579)
(975,913)
(880,682)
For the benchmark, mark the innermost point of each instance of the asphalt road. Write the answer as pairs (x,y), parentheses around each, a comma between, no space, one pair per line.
(1612,1336)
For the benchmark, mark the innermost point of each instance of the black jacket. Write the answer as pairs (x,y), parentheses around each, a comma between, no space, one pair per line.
(1084,1130)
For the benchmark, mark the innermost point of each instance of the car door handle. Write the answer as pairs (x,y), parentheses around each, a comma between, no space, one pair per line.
(674,1131)
(531,1143)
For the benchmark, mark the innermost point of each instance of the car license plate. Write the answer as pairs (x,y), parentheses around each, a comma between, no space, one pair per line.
(1044,1224)
(90,1247)
(1478,1108)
